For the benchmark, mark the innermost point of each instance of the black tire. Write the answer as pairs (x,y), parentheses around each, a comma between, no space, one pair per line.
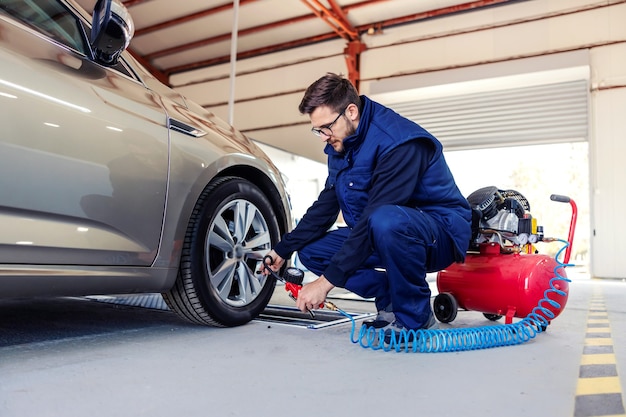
(445,307)
(492,317)
(231,228)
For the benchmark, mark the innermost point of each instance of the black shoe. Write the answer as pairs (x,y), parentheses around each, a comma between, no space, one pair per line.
(383,318)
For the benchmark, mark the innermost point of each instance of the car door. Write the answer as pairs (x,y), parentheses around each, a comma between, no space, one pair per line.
(83,147)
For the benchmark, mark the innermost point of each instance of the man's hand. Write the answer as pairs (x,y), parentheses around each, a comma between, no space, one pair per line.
(313,294)
(275,266)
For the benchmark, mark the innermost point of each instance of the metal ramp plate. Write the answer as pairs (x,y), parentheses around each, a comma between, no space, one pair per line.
(293,317)
(277,314)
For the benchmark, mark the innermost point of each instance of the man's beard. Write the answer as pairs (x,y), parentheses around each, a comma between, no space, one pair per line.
(351,130)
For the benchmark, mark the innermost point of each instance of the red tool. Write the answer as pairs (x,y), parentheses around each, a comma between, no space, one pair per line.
(503,275)
(293,278)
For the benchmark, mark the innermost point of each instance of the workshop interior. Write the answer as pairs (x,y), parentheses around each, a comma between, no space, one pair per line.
(153,155)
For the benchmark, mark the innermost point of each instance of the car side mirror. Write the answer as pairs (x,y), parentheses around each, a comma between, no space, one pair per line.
(112,28)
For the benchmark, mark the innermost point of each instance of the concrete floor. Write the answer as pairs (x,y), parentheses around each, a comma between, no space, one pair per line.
(74,357)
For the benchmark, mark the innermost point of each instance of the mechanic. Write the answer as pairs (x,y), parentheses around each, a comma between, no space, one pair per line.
(404,213)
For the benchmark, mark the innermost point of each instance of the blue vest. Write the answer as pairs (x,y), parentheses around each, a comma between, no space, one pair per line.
(379,131)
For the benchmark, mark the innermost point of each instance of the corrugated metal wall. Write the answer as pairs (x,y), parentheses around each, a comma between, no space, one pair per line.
(537,114)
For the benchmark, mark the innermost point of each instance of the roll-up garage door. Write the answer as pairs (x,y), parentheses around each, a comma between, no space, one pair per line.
(546,113)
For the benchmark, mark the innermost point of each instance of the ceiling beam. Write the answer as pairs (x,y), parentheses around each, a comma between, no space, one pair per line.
(251,53)
(352,54)
(335,18)
(336,15)
(464,7)
(187,18)
(158,74)
(226,36)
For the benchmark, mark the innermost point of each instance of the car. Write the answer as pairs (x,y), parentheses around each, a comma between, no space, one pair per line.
(113,183)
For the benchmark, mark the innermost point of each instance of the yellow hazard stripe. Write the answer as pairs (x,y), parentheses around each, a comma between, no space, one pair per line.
(599,385)
(598,391)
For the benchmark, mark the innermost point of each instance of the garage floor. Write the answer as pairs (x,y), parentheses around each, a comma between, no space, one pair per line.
(78,357)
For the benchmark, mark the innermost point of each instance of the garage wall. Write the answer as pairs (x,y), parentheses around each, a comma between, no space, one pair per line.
(607,150)
(268,88)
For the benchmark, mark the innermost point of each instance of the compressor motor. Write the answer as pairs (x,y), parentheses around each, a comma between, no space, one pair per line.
(503,217)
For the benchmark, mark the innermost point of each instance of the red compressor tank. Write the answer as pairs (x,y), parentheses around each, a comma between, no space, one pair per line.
(500,284)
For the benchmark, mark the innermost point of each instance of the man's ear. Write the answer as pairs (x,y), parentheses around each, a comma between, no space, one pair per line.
(352,112)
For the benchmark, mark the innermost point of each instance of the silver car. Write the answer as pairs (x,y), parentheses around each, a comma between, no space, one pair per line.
(110,182)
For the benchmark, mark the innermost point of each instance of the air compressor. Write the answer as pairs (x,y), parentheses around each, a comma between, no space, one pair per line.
(503,273)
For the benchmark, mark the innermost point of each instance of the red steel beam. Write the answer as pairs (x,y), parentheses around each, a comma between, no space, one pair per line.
(243,32)
(310,40)
(335,17)
(352,54)
(158,74)
(187,18)
(225,36)
(251,53)
(130,3)
(438,12)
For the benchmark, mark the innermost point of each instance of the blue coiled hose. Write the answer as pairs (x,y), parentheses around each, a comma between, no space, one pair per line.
(461,339)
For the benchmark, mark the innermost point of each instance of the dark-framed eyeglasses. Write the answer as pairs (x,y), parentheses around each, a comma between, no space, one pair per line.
(326,129)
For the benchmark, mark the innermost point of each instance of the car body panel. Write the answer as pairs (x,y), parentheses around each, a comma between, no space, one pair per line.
(100,169)
(91,156)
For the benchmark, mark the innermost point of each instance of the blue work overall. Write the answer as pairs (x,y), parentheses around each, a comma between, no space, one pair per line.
(407,243)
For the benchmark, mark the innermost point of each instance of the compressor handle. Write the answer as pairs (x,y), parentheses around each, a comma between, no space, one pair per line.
(572,223)
(560,198)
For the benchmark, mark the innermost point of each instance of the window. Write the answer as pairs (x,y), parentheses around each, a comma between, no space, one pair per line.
(53,20)
(50,18)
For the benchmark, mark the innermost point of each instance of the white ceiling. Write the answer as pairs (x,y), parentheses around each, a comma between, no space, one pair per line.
(177,36)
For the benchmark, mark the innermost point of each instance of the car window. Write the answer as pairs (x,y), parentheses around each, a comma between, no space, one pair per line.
(50,18)
(123,67)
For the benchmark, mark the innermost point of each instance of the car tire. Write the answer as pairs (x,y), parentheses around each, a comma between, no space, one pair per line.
(231,228)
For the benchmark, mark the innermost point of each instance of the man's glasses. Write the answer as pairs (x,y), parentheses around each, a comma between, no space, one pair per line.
(326,130)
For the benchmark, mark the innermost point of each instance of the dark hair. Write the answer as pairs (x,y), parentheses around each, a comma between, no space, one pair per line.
(331,90)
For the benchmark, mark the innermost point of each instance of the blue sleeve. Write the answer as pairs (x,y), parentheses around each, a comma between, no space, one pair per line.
(394,181)
(316,221)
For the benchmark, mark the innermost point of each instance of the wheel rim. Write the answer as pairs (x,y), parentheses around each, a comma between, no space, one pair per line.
(237,240)
(442,309)
(445,308)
